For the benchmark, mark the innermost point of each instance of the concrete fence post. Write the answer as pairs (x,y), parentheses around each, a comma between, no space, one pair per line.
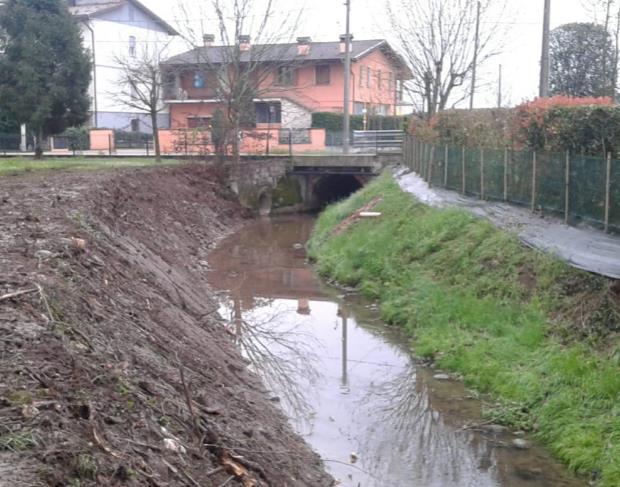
(505,173)
(463,175)
(607,191)
(481,173)
(534,181)
(445,166)
(430,165)
(567,187)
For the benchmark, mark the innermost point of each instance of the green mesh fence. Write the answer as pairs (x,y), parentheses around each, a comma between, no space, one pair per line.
(472,172)
(514,175)
(550,182)
(455,169)
(439,166)
(494,174)
(520,165)
(587,188)
(614,192)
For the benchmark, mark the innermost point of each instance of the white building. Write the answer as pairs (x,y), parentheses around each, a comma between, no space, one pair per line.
(114,29)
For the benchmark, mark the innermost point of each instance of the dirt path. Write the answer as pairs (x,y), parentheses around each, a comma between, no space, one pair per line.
(113,367)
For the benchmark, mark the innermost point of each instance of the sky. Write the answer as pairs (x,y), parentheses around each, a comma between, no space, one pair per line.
(325,20)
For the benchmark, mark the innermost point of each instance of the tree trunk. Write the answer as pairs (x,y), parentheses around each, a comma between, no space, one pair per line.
(156,136)
(38,151)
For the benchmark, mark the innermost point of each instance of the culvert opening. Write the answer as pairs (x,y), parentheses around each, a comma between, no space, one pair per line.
(335,187)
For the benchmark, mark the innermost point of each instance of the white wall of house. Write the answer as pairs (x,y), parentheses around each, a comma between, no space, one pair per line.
(112,33)
(295,116)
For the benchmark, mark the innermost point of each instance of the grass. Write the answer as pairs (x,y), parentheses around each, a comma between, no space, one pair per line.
(15,165)
(519,325)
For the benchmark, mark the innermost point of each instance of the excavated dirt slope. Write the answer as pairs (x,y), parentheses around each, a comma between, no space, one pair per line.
(114,369)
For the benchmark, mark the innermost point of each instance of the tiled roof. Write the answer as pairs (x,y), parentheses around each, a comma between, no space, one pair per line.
(319,51)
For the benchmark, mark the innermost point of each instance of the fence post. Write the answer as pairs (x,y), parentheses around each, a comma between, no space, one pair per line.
(430,165)
(481,173)
(290,142)
(109,144)
(463,168)
(505,173)
(567,187)
(607,191)
(185,144)
(534,181)
(445,167)
(147,148)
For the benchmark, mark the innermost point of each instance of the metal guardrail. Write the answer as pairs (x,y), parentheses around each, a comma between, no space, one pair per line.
(380,140)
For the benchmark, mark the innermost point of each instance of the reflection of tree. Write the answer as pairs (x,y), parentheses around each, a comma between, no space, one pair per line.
(282,354)
(429,451)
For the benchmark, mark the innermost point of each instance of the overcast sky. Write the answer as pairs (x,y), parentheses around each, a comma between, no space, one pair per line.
(324,20)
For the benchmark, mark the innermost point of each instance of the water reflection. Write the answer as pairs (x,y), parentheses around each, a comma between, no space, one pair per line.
(348,383)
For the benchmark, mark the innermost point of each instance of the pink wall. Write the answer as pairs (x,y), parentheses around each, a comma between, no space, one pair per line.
(253,142)
(100,139)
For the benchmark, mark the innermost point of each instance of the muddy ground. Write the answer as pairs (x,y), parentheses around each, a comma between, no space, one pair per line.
(114,368)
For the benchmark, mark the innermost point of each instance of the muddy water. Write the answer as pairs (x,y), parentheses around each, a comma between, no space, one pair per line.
(349,384)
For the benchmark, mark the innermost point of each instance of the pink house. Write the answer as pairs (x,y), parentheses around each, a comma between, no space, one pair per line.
(296,80)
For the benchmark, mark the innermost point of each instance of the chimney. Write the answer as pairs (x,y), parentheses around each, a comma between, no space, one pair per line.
(208,40)
(343,43)
(244,43)
(303,46)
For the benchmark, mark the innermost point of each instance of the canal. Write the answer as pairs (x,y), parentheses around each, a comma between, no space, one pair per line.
(351,385)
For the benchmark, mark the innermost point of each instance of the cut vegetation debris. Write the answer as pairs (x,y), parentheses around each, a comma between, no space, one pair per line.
(541,338)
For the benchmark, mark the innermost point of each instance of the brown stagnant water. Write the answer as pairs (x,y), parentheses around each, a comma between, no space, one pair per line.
(349,383)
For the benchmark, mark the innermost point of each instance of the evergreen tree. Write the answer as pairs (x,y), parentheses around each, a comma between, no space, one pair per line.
(44,70)
(581,55)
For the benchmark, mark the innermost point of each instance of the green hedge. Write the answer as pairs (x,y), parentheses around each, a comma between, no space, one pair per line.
(333,122)
(558,124)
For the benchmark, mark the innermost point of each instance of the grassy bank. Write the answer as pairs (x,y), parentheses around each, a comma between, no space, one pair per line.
(532,332)
(14,165)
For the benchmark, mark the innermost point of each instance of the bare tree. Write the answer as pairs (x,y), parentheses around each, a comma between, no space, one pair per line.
(438,39)
(248,58)
(141,87)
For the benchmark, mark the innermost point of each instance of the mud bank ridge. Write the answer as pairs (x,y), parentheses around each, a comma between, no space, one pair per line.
(114,368)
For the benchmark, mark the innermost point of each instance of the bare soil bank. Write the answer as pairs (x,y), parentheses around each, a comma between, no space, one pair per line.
(114,369)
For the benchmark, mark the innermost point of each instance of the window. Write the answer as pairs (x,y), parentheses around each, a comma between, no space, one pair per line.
(199,122)
(358,108)
(322,74)
(132,46)
(390,81)
(379,80)
(368,78)
(199,80)
(286,76)
(135,125)
(268,112)
(361,76)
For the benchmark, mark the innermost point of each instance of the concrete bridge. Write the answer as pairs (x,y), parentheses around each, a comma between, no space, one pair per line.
(305,182)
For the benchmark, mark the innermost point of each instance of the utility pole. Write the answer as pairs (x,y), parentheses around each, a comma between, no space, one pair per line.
(347,81)
(499,88)
(475,65)
(544,59)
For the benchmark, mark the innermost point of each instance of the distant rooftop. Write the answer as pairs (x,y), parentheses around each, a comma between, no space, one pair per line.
(289,52)
(94,8)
